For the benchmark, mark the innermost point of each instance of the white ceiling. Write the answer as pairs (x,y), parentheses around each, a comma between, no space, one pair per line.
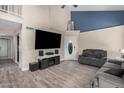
(95,7)
(8,27)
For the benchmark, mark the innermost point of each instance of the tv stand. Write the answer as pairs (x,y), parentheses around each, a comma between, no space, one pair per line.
(47,62)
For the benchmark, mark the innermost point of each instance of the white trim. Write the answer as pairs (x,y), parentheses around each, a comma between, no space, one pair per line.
(24,69)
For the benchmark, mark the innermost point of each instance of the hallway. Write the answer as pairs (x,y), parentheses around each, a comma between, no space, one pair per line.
(9,40)
(5,63)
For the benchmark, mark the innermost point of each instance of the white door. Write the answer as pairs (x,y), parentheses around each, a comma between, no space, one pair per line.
(3,48)
(72,53)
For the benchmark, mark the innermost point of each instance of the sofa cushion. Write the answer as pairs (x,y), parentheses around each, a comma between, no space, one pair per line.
(91,61)
(115,72)
(87,53)
(97,53)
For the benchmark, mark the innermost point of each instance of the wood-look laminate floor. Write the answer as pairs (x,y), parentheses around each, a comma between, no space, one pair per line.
(68,74)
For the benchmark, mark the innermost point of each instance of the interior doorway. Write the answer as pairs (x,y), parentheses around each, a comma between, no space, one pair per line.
(5,48)
(10,41)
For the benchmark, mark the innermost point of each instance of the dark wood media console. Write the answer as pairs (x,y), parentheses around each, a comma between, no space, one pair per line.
(47,62)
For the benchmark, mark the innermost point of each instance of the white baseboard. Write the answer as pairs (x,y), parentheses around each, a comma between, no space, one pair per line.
(24,69)
(61,59)
(68,59)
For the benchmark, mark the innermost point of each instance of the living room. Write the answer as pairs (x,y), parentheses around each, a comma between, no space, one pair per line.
(78,28)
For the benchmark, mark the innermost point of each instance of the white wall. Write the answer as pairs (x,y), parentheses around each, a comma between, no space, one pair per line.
(110,39)
(5,33)
(59,17)
(37,17)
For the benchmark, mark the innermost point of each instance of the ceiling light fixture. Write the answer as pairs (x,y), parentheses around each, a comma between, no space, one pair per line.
(63,6)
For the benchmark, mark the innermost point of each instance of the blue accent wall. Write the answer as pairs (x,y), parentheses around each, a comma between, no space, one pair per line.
(93,20)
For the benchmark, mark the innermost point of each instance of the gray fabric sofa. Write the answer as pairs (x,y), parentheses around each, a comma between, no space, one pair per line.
(93,57)
(105,80)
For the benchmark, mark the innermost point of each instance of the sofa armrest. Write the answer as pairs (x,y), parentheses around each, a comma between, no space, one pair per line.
(110,80)
(104,58)
(91,61)
(80,56)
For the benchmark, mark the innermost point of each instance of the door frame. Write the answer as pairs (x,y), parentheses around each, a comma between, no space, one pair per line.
(18,44)
(74,41)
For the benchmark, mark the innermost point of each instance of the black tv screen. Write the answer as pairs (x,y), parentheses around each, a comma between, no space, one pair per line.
(47,40)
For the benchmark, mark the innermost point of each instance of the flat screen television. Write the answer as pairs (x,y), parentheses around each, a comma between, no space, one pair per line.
(47,40)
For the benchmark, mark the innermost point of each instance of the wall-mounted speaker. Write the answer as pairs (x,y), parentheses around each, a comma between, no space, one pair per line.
(41,53)
(56,51)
